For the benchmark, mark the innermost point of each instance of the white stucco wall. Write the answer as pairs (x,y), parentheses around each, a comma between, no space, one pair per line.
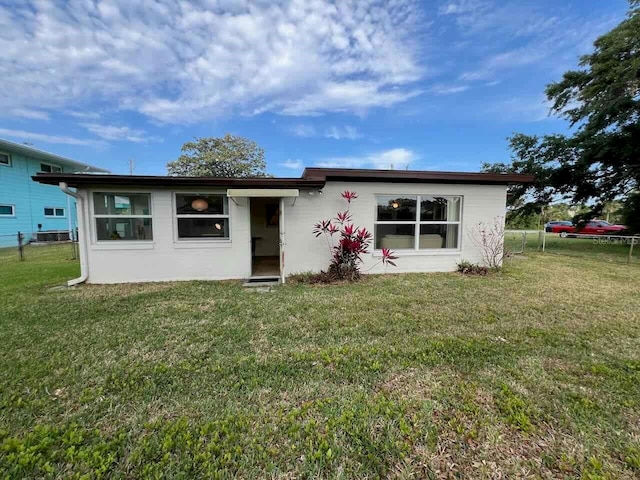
(304,252)
(165,258)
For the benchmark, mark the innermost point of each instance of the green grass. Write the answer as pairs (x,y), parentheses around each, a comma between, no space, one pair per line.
(588,248)
(531,372)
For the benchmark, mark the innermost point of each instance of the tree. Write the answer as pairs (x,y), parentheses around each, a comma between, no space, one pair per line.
(229,156)
(600,162)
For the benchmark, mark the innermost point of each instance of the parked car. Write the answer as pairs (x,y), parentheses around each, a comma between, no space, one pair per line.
(594,227)
(553,223)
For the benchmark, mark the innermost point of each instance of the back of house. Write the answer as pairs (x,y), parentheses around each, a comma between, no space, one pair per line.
(163,228)
(38,211)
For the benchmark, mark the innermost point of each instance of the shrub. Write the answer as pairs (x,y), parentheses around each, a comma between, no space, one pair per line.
(469,268)
(353,242)
(489,238)
(311,278)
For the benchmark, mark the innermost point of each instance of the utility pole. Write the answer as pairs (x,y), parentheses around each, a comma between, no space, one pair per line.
(131,165)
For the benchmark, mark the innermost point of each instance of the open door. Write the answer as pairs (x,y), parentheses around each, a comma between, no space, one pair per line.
(282,240)
(268,236)
(265,238)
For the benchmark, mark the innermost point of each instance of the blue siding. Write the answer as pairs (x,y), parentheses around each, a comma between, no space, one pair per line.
(30,199)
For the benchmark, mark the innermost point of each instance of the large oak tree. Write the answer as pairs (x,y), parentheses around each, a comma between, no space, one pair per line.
(600,162)
(228,156)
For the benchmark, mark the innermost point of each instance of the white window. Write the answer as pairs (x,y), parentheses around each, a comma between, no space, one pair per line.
(417,222)
(50,168)
(122,216)
(7,210)
(53,212)
(5,159)
(202,216)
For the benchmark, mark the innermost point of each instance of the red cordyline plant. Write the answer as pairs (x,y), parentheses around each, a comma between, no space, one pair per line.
(352,242)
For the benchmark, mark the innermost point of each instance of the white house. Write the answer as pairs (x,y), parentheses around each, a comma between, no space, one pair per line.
(161,228)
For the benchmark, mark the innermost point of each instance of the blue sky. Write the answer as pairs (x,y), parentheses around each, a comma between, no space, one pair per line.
(435,85)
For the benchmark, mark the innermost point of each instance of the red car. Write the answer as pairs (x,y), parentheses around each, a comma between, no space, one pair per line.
(594,227)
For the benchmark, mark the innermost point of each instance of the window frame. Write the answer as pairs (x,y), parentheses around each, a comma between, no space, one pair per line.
(13,210)
(52,165)
(64,212)
(2,164)
(148,243)
(418,222)
(202,240)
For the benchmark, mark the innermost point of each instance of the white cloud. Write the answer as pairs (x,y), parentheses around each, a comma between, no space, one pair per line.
(532,108)
(181,62)
(83,115)
(354,96)
(29,113)
(293,164)
(303,130)
(497,17)
(346,132)
(123,133)
(448,89)
(396,158)
(548,41)
(459,7)
(340,133)
(41,137)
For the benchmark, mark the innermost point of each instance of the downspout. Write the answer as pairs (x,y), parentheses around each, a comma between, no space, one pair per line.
(84,266)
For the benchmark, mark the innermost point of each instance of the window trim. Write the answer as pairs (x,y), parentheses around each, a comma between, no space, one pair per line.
(13,210)
(6,164)
(195,240)
(52,165)
(418,222)
(64,212)
(119,244)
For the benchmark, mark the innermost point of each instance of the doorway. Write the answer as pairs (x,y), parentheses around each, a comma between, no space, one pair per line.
(265,237)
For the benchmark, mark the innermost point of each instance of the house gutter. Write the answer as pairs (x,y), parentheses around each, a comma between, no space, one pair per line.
(84,265)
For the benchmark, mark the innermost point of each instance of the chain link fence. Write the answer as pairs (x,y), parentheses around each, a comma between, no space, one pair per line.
(623,249)
(21,243)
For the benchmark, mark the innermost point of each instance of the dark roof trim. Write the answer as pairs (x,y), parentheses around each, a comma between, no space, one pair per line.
(413,176)
(90,180)
(311,178)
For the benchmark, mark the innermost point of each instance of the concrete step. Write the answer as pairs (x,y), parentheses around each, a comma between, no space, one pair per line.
(255,282)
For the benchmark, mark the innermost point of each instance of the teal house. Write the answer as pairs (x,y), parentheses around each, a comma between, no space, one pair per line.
(40,212)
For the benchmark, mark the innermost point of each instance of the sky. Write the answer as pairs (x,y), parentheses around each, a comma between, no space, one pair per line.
(424,85)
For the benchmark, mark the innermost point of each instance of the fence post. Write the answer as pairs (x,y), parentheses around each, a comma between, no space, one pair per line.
(540,240)
(20,247)
(73,245)
(633,241)
(524,241)
(544,241)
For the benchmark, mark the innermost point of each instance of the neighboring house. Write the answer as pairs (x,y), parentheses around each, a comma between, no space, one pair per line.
(29,207)
(145,229)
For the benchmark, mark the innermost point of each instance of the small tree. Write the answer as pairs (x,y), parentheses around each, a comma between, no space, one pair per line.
(229,156)
(352,243)
(489,238)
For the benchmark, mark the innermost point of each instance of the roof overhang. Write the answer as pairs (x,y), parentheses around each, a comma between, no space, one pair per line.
(414,176)
(312,179)
(79,180)
(262,192)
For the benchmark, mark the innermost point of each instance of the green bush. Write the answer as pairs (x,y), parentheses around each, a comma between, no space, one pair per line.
(469,268)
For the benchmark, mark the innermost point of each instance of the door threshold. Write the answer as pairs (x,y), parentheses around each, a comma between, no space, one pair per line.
(262,281)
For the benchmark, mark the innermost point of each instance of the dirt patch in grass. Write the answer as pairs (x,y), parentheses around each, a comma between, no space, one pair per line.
(531,373)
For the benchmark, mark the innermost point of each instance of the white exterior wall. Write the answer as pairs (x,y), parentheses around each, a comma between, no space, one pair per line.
(165,258)
(304,252)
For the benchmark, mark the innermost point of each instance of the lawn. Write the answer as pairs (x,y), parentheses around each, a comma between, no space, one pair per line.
(599,248)
(531,372)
